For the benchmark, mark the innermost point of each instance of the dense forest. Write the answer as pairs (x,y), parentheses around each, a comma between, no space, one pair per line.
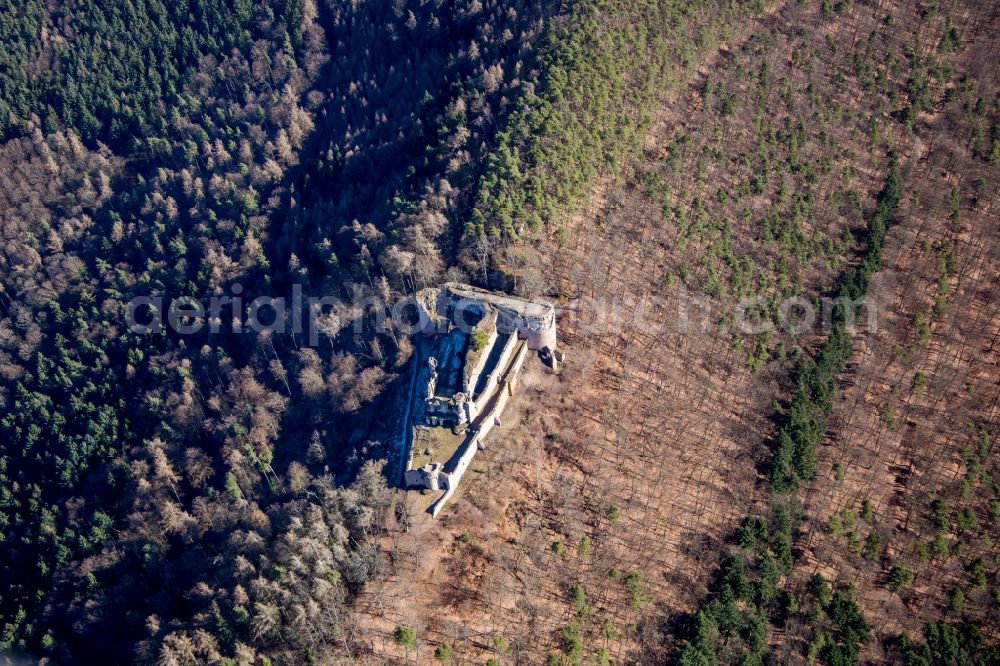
(197,149)
(110,70)
(224,497)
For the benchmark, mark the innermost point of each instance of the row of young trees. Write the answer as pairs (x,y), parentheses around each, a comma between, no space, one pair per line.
(804,423)
(723,625)
(835,630)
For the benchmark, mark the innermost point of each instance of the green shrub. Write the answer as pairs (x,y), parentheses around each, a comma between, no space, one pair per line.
(854,544)
(633,584)
(868,512)
(977,573)
(572,643)
(942,514)
(966,520)
(957,600)
(467,539)
(782,547)
(608,629)
(834,525)
(939,546)
(752,532)
(578,595)
(923,328)
(873,546)
(406,636)
(479,339)
(889,414)
(900,578)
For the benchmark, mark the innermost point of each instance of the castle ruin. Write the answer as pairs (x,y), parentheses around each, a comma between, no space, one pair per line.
(473,345)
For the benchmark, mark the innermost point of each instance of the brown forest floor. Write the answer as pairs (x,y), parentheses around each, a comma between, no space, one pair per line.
(900,438)
(664,425)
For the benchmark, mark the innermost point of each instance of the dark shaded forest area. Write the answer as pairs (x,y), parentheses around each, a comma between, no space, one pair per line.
(179,149)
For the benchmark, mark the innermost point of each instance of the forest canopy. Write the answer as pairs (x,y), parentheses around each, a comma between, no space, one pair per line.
(228,496)
(185,149)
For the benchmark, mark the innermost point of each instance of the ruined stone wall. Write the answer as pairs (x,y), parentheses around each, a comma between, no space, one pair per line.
(455,476)
(473,376)
(489,421)
(483,398)
(538,332)
(450,480)
(429,476)
(516,314)
(426,301)
(515,367)
(489,418)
